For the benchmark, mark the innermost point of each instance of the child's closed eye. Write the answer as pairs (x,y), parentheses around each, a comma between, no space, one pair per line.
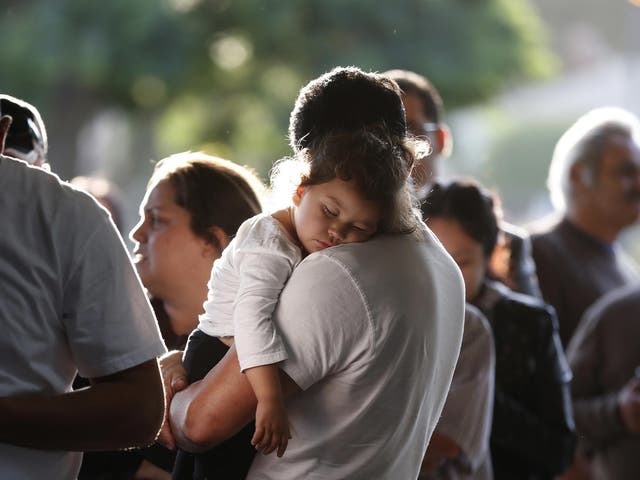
(328,212)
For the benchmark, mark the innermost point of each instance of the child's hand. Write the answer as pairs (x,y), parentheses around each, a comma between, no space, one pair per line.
(272,428)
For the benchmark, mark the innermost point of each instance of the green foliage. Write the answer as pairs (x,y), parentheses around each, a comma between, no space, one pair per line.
(103,47)
(219,72)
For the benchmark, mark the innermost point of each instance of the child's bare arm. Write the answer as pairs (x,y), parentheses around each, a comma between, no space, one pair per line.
(272,425)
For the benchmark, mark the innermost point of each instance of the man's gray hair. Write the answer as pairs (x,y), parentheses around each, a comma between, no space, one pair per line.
(584,143)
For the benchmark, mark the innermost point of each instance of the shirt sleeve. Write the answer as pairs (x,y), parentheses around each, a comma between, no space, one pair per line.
(466,417)
(596,411)
(543,435)
(264,261)
(551,278)
(107,317)
(319,297)
(263,274)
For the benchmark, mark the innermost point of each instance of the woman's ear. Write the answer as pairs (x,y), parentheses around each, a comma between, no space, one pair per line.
(297,195)
(219,241)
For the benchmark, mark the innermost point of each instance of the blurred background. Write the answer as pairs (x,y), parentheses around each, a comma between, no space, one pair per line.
(121,84)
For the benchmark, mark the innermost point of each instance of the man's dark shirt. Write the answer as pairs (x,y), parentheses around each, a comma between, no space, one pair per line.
(574,269)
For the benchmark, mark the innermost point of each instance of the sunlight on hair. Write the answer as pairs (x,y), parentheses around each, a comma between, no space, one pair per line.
(286,175)
(569,148)
(422,148)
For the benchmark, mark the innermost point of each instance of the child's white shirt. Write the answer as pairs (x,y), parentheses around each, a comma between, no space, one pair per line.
(244,288)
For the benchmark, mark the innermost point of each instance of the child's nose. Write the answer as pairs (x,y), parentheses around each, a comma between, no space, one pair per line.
(336,234)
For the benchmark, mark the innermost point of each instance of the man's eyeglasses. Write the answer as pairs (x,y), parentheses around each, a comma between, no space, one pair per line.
(423,129)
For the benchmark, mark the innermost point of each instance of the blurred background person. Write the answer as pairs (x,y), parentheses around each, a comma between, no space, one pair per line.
(604,356)
(532,434)
(594,180)
(453,452)
(512,263)
(425,119)
(459,446)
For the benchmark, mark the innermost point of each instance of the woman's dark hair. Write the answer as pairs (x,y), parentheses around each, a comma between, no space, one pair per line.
(216,192)
(466,202)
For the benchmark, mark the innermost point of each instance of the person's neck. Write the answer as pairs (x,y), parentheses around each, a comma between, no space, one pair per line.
(183,312)
(599,228)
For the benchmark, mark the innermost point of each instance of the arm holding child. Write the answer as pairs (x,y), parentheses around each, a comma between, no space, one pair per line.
(257,265)
(211,410)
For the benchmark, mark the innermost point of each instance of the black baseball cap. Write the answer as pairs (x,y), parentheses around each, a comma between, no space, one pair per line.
(26,128)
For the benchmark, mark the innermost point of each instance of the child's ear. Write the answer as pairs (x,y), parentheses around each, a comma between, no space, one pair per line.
(297,196)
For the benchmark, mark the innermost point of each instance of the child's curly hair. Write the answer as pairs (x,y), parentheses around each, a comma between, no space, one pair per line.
(378,161)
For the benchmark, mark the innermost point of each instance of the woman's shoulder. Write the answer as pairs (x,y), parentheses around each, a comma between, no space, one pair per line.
(529,329)
(525,309)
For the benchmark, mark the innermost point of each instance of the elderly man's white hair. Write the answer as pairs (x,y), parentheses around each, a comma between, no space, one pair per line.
(584,142)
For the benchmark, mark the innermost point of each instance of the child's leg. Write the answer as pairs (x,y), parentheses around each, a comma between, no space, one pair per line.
(231,459)
(201,354)
(198,358)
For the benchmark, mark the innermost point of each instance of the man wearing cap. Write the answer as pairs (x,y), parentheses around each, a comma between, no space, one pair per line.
(71,301)
(27,136)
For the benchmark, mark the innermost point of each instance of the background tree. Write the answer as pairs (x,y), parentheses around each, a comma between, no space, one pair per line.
(223,75)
